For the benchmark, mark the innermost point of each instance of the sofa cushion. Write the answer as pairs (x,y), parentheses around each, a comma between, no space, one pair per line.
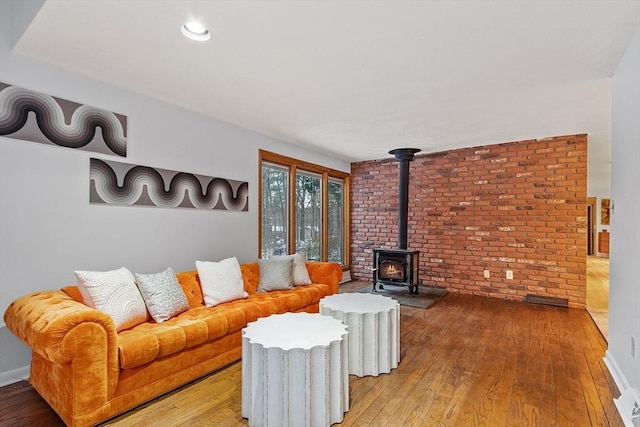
(136,348)
(162,294)
(115,293)
(149,341)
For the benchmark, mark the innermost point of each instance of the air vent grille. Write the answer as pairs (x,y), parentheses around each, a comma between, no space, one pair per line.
(537,299)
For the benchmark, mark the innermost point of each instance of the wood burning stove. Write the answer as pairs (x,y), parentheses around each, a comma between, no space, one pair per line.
(399,266)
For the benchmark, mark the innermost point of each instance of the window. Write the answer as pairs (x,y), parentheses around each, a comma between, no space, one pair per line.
(303,209)
(275,182)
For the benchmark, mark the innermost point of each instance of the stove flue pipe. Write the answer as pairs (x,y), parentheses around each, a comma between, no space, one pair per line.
(404,156)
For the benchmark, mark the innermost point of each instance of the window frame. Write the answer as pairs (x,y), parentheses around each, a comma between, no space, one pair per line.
(293,165)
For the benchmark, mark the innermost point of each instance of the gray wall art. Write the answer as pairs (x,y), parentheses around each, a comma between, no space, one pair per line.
(124,184)
(34,116)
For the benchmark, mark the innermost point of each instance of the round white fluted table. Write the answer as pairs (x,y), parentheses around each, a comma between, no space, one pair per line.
(374,330)
(294,371)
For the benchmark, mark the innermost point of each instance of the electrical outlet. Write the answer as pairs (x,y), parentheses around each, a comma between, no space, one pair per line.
(487,274)
(510,274)
(633,346)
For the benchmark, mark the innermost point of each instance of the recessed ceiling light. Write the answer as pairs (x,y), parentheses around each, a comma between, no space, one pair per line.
(196,31)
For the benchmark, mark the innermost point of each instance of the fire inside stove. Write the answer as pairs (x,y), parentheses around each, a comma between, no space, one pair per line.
(392,270)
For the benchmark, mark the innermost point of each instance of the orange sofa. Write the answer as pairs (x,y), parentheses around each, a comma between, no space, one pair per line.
(88,372)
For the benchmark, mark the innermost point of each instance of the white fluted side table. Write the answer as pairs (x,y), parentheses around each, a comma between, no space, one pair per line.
(374,330)
(294,371)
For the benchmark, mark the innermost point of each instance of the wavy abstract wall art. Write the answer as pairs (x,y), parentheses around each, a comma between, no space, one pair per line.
(34,116)
(124,184)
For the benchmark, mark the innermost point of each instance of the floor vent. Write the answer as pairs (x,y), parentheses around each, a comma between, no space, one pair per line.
(537,299)
(629,407)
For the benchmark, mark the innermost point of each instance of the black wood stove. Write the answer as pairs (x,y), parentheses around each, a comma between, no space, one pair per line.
(399,267)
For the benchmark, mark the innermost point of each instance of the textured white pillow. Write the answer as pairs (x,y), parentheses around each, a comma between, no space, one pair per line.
(115,293)
(275,274)
(221,281)
(162,294)
(300,272)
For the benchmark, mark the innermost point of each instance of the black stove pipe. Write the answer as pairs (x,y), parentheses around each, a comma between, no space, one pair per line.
(404,156)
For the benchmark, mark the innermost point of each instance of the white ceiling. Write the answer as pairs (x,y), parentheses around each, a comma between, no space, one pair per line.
(356,79)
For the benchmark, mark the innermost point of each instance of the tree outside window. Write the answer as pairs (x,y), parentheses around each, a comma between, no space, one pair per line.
(336,221)
(309,215)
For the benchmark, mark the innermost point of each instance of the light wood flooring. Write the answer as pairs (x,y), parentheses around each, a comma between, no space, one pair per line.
(466,361)
(598,292)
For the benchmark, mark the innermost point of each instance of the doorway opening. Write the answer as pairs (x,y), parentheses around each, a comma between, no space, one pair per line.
(597,270)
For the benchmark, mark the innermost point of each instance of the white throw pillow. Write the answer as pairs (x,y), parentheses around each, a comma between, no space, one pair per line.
(162,294)
(300,272)
(115,293)
(275,274)
(221,281)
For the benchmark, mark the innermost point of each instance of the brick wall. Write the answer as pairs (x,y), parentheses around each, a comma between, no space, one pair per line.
(517,206)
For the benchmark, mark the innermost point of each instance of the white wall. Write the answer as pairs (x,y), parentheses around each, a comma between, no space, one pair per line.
(599,169)
(624,291)
(48,229)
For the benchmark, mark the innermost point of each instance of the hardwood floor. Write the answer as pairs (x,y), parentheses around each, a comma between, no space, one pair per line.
(466,361)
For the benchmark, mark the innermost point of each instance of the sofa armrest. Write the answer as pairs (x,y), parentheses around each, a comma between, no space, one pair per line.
(329,273)
(43,320)
(74,362)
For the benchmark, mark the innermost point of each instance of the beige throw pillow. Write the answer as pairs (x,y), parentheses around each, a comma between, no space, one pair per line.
(275,274)
(300,272)
(221,281)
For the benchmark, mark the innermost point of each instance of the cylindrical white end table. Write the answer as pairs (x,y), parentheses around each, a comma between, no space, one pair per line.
(294,371)
(374,330)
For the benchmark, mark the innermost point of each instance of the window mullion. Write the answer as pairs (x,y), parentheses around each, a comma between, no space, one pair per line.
(325,217)
(291,243)
(346,220)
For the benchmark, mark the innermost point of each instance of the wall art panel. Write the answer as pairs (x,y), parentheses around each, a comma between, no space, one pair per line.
(125,184)
(34,116)
(605,211)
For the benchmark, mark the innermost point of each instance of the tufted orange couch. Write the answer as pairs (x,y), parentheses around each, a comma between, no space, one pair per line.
(89,373)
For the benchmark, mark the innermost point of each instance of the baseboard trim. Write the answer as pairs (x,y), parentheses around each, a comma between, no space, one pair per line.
(616,373)
(346,276)
(14,376)
(628,403)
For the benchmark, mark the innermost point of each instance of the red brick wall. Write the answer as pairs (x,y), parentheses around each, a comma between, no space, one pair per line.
(517,206)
